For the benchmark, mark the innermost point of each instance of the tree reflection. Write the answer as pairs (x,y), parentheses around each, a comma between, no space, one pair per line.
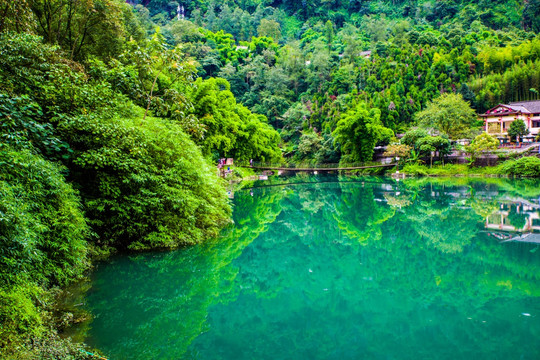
(339,268)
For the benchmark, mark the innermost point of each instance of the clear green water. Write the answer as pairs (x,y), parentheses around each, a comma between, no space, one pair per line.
(326,269)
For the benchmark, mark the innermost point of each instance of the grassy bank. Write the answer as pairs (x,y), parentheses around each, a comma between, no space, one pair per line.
(451,170)
(524,167)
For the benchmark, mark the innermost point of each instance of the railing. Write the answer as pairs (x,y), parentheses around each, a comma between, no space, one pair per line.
(314,167)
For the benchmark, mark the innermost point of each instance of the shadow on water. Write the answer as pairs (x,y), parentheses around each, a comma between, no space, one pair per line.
(338,268)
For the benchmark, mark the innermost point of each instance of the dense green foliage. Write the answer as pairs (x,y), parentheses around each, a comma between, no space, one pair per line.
(423,144)
(517,130)
(43,229)
(145,184)
(357,133)
(305,64)
(526,166)
(42,239)
(482,143)
(230,129)
(112,114)
(449,114)
(96,106)
(142,179)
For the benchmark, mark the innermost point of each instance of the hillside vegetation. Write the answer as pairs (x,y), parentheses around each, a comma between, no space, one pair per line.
(113,115)
(305,64)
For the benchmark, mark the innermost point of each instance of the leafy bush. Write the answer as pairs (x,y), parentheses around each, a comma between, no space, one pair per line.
(144,183)
(412,136)
(415,169)
(19,315)
(42,240)
(42,229)
(526,166)
(21,127)
(57,85)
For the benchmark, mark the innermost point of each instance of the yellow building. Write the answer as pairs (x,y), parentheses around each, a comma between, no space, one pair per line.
(498,119)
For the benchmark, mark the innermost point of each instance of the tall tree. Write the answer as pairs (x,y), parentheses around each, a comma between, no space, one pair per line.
(269,28)
(517,130)
(358,131)
(81,27)
(449,114)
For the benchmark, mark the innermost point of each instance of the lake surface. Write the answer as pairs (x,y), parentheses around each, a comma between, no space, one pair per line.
(338,268)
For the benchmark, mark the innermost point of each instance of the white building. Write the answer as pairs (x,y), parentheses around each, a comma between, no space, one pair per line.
(498,119)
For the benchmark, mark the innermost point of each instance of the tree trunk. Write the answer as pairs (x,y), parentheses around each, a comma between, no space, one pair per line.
(150,95)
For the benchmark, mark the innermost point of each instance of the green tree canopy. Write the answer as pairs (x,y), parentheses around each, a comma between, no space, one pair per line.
(449,114)
(517,129)
(412,136)
(230,129)
(358,131)
(270,28)
(483,142)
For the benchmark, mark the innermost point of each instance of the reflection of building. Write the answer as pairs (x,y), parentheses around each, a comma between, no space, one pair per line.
(501,219)
(498,119)
(528,238)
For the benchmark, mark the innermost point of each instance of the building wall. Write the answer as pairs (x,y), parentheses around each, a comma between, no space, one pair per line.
(498,125)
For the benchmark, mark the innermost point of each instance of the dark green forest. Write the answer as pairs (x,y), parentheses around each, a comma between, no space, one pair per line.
(113,115)
(306,64)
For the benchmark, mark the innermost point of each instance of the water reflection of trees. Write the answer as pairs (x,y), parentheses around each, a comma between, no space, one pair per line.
(371,256)
(156,304)
(394,255)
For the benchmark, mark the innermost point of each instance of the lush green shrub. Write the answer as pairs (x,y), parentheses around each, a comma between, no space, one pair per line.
(20,316)
(59,86)
(42,240)
(144,182)
(22,126)
(526,166)
(415,169)
(42,229)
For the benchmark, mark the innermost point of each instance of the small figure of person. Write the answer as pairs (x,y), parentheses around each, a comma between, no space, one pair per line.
(251,162)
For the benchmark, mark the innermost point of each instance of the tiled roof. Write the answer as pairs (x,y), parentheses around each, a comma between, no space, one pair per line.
(527,106)
(524,107)
(516,107)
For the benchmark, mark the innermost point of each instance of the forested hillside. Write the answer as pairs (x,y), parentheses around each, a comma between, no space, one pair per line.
(304,64)
(113,114)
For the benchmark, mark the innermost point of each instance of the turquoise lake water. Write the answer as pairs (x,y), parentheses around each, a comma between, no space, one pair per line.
(338,268)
